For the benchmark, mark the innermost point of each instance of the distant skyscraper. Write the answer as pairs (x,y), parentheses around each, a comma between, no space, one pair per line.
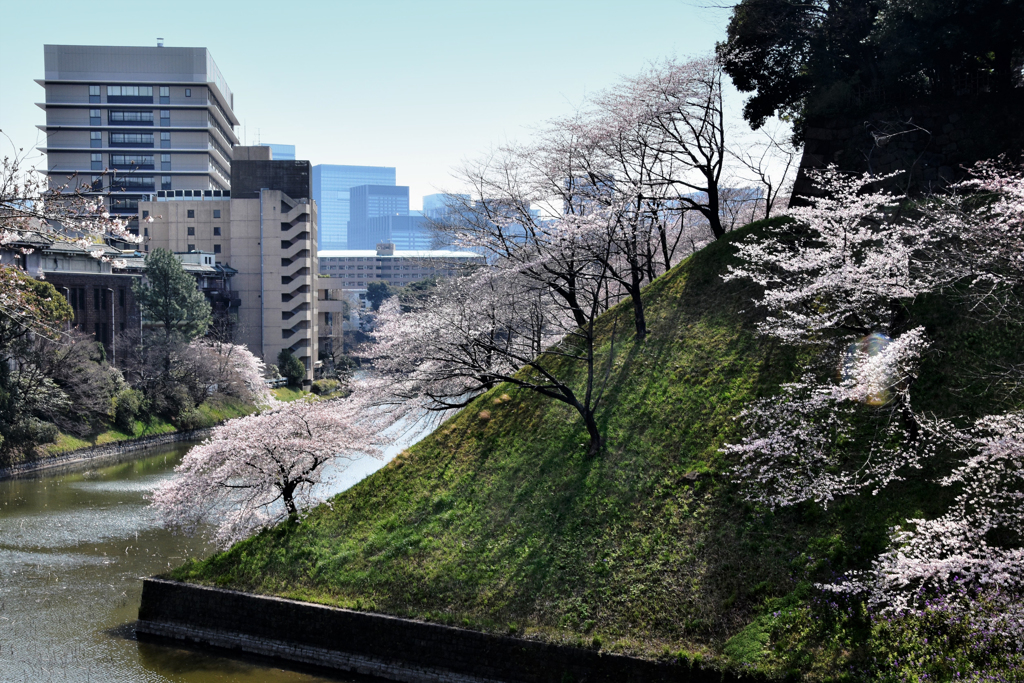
(407,233)
(438,205)
(331,185)
(281,152)
(373,201)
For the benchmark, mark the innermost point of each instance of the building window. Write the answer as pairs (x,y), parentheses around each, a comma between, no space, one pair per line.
(129,91)
(145,233)
(131,139)
(191,247)
(94,117)
(165,140)
(94,94)
(95,138)
(136,117)
(216,214)
(191,230)
(131,161)
(145,215)
(97,183)
(165,162)
(97,162)
(165,95)
(216,249)
(191,213)
(188,92)
(165,182)
(216,231)
(132,182)
(165,117)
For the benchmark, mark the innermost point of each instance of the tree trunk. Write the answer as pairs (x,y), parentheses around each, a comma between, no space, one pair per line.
(287,493)
(663,239)
(713,213)
(638,306)
(594,449)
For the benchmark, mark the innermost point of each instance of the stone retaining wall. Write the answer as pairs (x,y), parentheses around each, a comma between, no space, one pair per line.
(107,454)
(379,645)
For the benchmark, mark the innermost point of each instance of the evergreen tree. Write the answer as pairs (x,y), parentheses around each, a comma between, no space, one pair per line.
(171,297)
(291,367)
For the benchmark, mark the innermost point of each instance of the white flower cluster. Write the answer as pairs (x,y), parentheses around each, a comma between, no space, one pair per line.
(843,268)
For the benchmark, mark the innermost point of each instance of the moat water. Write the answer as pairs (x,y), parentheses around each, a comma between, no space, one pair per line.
(73,548)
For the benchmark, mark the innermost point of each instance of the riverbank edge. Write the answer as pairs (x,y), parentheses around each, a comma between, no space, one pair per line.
(108,453)
(384,646)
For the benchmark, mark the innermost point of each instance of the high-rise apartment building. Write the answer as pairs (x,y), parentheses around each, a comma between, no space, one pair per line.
(129,122)
(331,185)
(266,231)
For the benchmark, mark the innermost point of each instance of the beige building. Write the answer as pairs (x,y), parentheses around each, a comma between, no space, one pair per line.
(346,273)
(268,236)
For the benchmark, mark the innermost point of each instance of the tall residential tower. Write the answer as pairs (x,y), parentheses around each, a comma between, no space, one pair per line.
(131,121)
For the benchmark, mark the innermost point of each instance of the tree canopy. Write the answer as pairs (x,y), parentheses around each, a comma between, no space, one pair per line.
(171,297)
(794,53)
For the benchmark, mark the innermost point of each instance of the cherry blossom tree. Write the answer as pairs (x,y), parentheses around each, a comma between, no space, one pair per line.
(957,556)
(236,370)
(496,325)
(845,267)
(767,159)
(803,444)
(28,203)
(684,99)
(257,471)
(980,223)
(841,267)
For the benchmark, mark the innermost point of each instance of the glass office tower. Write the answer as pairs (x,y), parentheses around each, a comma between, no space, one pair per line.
(367,202)
(331,185)
(280,152)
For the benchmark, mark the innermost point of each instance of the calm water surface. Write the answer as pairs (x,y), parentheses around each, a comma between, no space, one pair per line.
(73,547)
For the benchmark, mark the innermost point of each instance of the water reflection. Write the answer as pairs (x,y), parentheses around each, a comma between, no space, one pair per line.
(73,547)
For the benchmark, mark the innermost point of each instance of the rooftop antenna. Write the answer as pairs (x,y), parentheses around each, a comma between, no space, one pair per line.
(159,42)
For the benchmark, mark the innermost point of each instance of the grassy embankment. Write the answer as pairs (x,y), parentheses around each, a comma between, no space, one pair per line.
(502,524)
(212,411)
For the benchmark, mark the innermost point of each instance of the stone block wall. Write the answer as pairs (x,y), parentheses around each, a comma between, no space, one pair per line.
(380,645)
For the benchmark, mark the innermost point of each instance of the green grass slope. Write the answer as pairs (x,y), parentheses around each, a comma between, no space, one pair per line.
(502,524)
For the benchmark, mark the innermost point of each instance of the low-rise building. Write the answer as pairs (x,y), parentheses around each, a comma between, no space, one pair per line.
(346,273)
(100,294)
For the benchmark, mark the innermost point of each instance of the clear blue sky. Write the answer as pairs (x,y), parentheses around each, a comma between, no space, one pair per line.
(415,84)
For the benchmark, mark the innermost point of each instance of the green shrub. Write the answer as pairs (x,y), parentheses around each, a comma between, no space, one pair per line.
(324,387)
(43,432)
(189,419)
(128,405)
